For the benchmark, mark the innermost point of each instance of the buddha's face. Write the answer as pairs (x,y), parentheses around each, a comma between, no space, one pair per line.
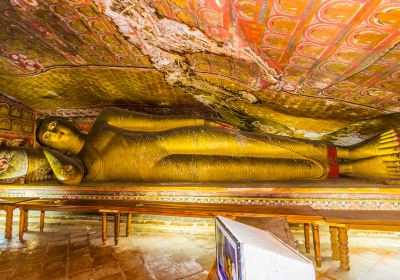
(60,134)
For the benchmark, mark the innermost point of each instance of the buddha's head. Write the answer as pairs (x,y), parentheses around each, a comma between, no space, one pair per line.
(60,134)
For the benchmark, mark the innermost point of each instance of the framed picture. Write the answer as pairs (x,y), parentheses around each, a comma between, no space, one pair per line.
(228,253)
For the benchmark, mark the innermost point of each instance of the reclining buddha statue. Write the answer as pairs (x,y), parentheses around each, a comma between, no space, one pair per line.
(128,146)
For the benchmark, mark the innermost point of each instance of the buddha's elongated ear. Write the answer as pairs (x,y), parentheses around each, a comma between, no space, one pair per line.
(73,122)
(39,124)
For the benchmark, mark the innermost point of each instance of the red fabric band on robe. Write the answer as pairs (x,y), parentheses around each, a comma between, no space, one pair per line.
(333,162)
(226,126)
(397,134)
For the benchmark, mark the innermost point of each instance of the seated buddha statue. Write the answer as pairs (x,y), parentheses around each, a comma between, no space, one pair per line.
(128,146)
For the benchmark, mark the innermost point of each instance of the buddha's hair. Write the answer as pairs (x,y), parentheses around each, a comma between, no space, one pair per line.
(40,122)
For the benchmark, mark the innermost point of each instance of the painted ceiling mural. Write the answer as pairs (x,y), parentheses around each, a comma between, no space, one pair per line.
(321,69)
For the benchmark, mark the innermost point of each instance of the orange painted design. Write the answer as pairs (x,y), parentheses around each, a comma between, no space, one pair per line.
(337,41)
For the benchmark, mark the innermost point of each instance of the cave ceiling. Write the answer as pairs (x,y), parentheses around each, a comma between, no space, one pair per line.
(318,69)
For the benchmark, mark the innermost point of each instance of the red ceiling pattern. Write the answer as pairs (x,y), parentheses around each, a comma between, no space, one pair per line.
(58,54)
(339,49)
(38,34)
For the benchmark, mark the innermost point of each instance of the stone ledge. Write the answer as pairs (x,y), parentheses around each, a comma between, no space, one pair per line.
(340,193)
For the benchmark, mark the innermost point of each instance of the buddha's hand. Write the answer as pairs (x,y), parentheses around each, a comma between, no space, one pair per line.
(67,170)
(384,161)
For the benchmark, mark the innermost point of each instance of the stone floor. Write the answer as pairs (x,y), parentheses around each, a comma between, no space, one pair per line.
(373,256)
(73,250)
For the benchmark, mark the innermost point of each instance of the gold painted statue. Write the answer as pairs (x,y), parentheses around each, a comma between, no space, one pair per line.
(128,146)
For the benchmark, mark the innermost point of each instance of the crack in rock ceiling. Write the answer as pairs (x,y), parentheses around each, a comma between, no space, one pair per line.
(318,69)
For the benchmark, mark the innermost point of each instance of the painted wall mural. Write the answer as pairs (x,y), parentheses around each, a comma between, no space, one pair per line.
(317,69)
(17,124)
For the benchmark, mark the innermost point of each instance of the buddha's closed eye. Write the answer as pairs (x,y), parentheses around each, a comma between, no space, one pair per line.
(52,125)
(46,137)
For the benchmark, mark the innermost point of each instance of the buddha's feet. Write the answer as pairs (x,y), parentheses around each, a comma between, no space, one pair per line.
(387,143)
(382,157)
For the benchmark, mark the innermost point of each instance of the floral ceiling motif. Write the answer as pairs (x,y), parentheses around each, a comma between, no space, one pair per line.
(269,65)
(341,49)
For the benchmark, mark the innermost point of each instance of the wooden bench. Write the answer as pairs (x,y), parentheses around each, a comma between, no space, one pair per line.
(340,221)
(293,214)
(8,204)
(277,226)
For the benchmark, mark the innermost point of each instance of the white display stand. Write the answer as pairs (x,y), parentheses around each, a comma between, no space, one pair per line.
(248,253)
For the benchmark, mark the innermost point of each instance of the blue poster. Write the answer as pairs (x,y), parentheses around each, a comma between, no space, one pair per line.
(227,255)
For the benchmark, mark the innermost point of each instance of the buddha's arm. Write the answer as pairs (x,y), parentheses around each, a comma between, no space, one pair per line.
(67,170)
(135,121)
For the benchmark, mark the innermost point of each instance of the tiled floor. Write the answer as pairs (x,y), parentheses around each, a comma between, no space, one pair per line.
(74,251)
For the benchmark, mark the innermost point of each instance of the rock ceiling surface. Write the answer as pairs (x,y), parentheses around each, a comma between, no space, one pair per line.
(326,69)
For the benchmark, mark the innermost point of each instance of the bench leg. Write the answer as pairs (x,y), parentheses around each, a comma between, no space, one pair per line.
(41,221)
(117,218)
(212,274)
(128,224)
(334,232)
(104,227)
(344,249)
(26,214)
(317,245)
(307,237)
(9,221)
(21,224)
